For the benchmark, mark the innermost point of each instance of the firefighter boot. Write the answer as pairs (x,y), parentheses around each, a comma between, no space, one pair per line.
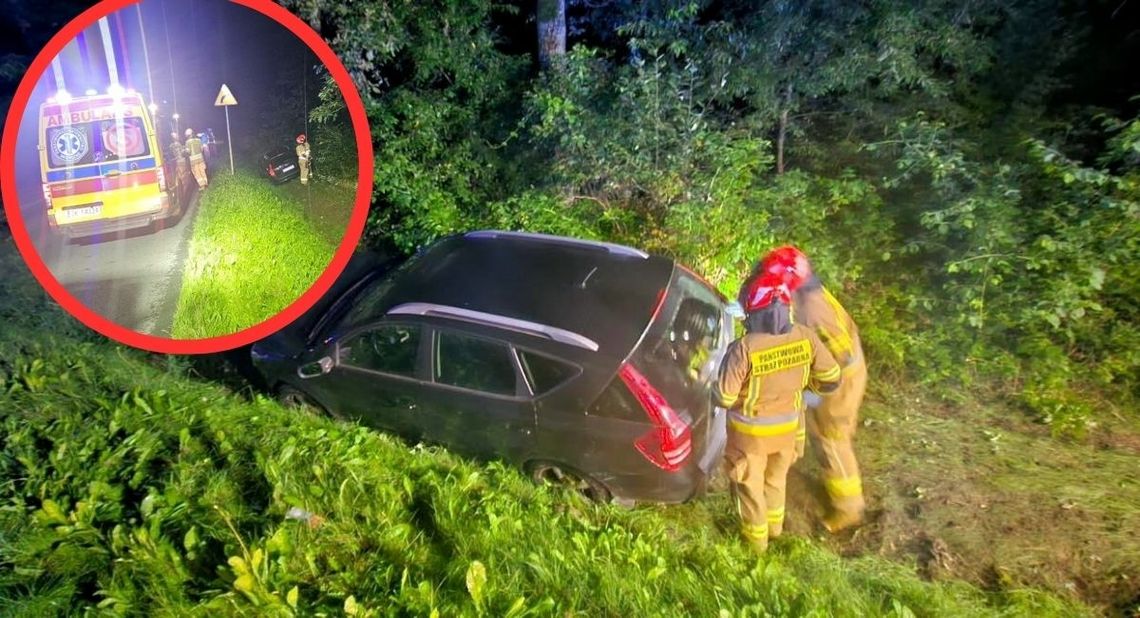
(837,521)
(756,535)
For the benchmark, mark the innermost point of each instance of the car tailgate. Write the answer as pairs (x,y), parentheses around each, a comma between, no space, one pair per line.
(680,353)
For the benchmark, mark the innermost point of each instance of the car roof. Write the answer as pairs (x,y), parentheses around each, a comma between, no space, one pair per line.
(605,293)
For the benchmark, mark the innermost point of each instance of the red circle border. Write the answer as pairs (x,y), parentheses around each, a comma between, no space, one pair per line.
(152,343)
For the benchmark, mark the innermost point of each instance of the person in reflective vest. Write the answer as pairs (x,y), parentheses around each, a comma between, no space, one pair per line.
(831,420)
(197,160)
(207,149)
(181,164)
(304,154)
(761,382)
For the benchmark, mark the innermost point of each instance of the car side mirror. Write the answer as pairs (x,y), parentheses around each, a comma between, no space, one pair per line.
(315,368)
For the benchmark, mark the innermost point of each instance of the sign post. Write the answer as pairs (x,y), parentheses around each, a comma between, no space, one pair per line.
(226,99)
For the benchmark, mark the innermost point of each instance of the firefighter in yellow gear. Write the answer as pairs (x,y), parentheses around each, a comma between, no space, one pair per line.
(831,420)
(304,157)
(761,382)
(197,159)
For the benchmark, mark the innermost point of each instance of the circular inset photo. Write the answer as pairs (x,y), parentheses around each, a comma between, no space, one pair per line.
(186,177)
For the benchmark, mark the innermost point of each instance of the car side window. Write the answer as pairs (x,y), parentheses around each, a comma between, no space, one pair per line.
(545,373)
(389,349)
(473,363)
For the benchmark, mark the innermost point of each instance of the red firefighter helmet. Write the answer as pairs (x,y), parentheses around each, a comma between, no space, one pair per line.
(301,138)
(763,291)
(789,264)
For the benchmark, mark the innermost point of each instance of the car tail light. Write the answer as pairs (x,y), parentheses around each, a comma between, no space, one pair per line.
(669,444)
(47,195)
(161,178)
(272,172)
(658,306)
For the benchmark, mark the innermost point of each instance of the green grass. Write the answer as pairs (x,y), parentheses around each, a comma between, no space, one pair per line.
(976,492)
(251,255)
(127,487)
(327,205)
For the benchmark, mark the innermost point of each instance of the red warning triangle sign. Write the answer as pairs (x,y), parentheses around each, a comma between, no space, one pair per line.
(225,97)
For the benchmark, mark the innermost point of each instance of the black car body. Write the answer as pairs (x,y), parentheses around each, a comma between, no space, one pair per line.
(280,165)
(569,358)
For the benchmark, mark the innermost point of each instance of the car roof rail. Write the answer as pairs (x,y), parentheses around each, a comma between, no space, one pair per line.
(565,240)
(479,317)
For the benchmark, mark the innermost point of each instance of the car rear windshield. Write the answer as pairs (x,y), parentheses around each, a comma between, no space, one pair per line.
(680,353)
(682,346)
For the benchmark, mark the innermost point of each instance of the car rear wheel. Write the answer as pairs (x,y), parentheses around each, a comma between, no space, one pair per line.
(296,399)
(549,473)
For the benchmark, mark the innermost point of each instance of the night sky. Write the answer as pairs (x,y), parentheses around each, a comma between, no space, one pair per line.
(192,48)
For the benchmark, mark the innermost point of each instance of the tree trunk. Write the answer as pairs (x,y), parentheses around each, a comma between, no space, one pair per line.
(551,30)
(782,136)
(780,142)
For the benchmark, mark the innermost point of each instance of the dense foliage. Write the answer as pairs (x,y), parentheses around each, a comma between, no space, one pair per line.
(979,217)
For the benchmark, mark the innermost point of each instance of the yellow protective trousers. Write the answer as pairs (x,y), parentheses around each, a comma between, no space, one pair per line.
(757,471)
(198,166)
(831,426)
(303,163)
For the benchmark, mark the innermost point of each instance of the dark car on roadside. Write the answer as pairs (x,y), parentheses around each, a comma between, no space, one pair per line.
(581,362)
(279,165)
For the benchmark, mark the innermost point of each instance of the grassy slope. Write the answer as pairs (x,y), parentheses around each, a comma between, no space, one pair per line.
(124,484)
(975,492)
(327,204)
(251,255)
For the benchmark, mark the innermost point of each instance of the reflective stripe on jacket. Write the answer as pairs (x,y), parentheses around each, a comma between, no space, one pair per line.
(775,425)
(763,376)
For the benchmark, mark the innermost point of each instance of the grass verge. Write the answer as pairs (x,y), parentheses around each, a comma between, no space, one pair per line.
(327,204)
(128,489)
(974,492)
(251,255)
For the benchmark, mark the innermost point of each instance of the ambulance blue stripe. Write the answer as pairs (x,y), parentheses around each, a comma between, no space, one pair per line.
(91,171)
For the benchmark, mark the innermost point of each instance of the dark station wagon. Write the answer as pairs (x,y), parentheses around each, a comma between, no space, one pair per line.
(581,362)
(279,165)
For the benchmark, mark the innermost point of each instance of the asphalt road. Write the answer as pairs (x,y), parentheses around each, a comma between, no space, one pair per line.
(132,278)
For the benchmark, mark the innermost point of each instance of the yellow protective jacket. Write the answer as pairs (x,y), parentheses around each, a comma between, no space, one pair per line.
(762,379)
(818,310)
(194,148)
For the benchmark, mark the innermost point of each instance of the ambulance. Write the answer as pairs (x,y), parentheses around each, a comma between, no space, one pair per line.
(101,164)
